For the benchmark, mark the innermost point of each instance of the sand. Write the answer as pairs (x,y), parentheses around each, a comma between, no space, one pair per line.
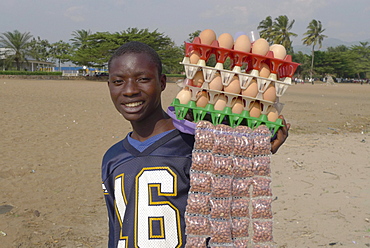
(54,134)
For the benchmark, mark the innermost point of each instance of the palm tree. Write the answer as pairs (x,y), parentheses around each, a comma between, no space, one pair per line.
(282,34)
(18,45)
(267,29)
(80,37)
(314,37)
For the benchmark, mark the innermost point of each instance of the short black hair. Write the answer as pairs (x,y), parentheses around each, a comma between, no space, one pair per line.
(137,47)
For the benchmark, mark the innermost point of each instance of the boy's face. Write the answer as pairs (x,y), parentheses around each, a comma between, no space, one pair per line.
(135,86)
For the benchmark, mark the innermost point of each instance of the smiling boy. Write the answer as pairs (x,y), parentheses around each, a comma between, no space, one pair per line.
(146,175)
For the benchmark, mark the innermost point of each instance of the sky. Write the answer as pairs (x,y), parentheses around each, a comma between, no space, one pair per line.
(56,20)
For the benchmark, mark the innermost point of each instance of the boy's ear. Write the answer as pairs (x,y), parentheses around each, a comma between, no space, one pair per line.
(163,82)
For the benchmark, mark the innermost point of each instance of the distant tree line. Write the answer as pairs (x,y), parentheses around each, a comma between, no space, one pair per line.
(94,49)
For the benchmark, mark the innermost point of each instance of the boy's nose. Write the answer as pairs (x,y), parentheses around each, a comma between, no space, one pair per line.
(131,88)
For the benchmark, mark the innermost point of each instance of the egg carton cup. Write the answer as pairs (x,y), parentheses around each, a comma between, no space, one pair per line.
(208,72)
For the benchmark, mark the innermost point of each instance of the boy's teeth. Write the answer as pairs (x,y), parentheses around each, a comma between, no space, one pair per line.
(133,104)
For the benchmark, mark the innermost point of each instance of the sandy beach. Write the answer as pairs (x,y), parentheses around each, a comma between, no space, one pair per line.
(54,134)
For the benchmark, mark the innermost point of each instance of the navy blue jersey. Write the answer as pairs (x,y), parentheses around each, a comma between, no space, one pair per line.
(146,192)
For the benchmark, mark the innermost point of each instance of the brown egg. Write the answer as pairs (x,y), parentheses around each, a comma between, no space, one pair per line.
(272,115)
(272,46)
(184,96)
(194,57)
(225,40)
(198,79)
(203,99)
(260,46)
(207,36)
(265,70)
(216,83)
(270,93)
(220,104)
(251,90)
(238,106)
(279,51)
(234,86)
(255,110)
(243,44)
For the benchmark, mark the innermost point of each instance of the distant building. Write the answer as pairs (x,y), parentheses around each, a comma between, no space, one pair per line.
(30,64)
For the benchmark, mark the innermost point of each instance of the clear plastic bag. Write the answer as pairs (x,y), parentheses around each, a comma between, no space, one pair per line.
(240,228)
(197,225)
(240,207)
(220,231)
(222,165)
(198,203)
(261,141)
(262,208)
(196,242)
(262,231)
(243,167)
(261,187)
(204,136)
(202,161)
(224,140)
(200,182)
(243,141)
(241,243)
(221,186)
(261,166)
(220,208)
(241,187)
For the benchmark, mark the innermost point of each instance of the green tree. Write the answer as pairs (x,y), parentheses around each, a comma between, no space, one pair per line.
(282,33)
(304,61)
(96,50)
(80,37)
(362,60)
(193,35)
(18,44)
(39,49)
(100,46)
(314,36)
(267,29)
(61,51)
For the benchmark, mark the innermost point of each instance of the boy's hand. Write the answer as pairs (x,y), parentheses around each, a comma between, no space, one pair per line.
(281,136)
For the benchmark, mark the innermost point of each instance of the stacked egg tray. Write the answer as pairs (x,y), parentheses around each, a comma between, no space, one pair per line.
(230,196)
(281,74)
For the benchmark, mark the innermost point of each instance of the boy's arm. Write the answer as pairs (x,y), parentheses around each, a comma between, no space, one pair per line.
(281,136)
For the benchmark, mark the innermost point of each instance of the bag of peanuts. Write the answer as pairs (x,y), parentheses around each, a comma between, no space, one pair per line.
(224,141)
(261,141)
(204,136)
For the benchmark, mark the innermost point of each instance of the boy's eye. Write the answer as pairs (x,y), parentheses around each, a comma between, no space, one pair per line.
(139,80)
(118,82)
(142,80)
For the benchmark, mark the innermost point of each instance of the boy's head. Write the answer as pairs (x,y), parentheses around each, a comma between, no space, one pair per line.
(137,47)
(136,83)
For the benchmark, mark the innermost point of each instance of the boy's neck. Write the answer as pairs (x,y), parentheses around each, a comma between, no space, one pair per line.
(149,128)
